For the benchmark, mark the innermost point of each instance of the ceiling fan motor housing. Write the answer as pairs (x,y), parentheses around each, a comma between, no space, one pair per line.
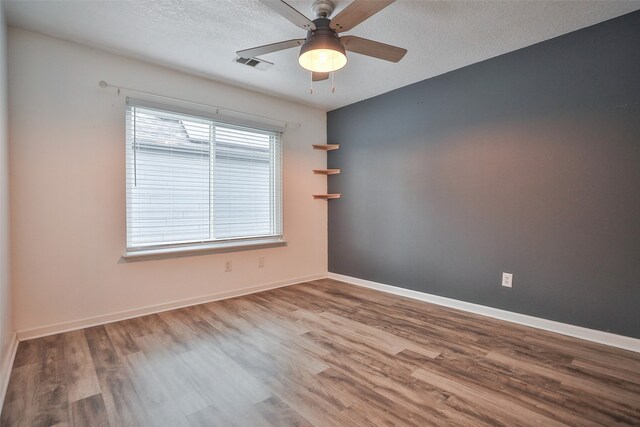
(322,32)
(323,38)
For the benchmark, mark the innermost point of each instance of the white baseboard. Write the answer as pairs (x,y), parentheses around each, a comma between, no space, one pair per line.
(87,322)
(7,366)
(606,338)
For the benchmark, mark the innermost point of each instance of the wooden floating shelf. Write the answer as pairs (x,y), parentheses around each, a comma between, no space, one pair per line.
(327,196)
(326,171)
(326,147)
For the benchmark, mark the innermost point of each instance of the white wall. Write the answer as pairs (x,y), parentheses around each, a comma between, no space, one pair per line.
(68,187)
(6,323)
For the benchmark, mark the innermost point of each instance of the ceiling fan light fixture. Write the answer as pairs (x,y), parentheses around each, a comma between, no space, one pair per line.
(322,53)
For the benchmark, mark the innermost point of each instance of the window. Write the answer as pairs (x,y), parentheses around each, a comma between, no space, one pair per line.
(193,181)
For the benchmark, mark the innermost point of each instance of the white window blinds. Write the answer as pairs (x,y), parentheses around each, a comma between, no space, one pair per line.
(194,180)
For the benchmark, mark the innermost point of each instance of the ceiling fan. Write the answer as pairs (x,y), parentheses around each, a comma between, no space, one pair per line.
(324,51)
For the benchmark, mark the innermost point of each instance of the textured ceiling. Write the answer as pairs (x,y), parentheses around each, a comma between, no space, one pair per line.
(201,37)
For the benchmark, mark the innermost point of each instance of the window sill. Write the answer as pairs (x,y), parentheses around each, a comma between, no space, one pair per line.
(217,247)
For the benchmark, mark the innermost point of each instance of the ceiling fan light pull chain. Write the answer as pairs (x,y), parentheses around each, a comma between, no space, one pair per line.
(333,86)
(311,83)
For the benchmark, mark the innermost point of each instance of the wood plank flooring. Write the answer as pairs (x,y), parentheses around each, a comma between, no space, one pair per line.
(321,353)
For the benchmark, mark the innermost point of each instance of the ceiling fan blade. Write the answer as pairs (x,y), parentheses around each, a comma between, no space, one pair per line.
(374,49)
(268,48)
(357,12)
(316,77)
(290,13)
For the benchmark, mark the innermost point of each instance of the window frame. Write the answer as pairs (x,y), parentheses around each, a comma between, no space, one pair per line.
(215,245)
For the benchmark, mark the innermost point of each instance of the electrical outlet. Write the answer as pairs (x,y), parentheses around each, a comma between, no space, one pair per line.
(507,279)
(261,262)
(228,266)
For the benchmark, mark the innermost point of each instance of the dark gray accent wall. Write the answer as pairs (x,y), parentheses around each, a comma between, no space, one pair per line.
(526,163)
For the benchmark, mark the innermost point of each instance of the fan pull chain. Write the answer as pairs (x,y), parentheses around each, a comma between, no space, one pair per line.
(333,86)
(311,83)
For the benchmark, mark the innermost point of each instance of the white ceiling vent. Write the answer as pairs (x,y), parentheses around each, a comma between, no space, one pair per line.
(257,63)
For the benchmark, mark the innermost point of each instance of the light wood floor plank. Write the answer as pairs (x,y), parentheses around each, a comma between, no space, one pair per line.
(51,387)
(89,412)
(82,379)
(278,413)
(122,403)
(19,403)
